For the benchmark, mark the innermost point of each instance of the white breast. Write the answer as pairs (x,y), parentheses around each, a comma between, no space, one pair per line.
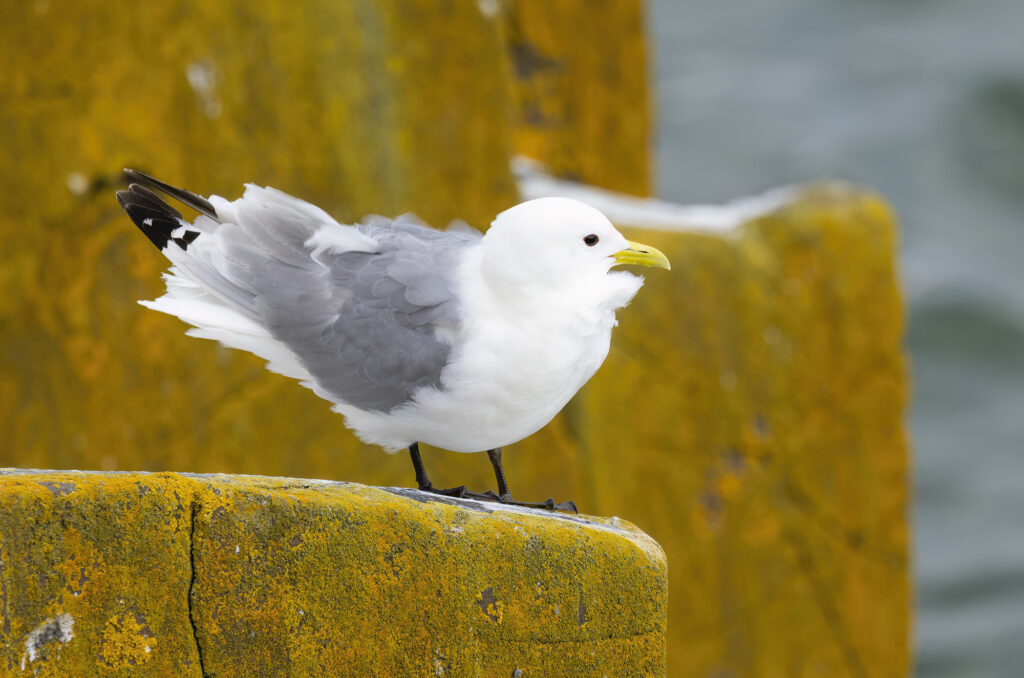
(512,370)
(511,377)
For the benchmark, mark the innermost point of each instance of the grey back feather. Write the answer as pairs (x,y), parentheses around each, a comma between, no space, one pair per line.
(378,345)
(362,323)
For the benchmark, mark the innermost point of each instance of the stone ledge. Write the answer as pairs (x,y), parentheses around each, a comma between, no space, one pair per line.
(183,574)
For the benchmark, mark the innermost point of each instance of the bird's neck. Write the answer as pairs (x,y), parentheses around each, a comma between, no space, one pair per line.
(510,288)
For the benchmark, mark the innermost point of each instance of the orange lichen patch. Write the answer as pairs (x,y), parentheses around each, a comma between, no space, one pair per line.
(309,576)
(127,642)
(107,553)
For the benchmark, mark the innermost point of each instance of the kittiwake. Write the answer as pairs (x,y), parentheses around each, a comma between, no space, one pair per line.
(457,339)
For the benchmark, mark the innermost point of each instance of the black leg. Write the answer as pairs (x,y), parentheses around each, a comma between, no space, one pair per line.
(424,484)
(499,473)
(417,466)
(505,497)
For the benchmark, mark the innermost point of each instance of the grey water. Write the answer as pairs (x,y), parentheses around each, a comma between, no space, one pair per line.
(922,100)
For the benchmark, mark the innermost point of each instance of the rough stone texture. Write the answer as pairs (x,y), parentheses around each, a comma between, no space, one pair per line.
(231,575)
(112,553)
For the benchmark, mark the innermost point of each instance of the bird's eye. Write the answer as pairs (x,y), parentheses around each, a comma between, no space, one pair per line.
(590,240)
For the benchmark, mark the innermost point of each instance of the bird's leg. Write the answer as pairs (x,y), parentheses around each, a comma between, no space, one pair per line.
(499,473)
(424,484)
(506,498)
(417,466)
(503,496)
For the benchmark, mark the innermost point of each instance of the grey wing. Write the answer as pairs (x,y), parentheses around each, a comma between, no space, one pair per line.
(353,312)
(366,328)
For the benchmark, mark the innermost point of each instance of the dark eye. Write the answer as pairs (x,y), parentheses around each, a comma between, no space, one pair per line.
(590,240)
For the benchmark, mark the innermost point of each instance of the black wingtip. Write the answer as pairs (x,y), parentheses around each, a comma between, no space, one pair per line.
(196,202)
(154,217)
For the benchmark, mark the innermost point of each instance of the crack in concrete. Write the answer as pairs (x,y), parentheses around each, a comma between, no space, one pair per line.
(195,507)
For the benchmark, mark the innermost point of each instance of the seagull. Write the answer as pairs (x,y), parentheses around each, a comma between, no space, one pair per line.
(457,339)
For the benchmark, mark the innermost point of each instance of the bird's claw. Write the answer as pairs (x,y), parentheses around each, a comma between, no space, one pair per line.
(548,504)
(461,492)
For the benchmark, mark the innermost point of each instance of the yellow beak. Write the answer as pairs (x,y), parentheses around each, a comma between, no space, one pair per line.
(642,255)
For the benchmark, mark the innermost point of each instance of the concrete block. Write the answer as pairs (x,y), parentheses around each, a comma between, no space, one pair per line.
(167,574)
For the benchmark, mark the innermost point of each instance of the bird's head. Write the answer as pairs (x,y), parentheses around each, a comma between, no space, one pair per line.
(564,245)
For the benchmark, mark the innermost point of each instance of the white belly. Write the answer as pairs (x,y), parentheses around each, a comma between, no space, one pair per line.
(504,383)
(507,385)
(511,371)
(501,387)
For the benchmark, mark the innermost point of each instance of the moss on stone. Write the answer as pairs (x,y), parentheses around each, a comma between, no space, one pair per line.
(282,576)
(112,553)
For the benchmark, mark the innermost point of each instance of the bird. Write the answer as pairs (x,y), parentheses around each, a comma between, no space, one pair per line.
(458,339)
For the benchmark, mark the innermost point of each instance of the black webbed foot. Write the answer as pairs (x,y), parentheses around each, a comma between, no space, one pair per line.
(502,496)
(459,491)
(548,504)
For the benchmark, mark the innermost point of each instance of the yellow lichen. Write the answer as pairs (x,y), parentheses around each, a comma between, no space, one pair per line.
(127,641)
(334,578)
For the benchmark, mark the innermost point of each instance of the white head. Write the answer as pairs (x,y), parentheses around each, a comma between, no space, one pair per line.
(563,246)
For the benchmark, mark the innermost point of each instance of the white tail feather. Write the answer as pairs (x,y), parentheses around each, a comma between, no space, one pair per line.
(279,358)
(213,319)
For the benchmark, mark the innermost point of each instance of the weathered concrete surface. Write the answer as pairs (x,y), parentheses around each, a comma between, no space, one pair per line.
(169,574)
(109,557)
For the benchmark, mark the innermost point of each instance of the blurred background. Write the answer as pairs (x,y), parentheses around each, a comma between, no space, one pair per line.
(925,102)
(387,106)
